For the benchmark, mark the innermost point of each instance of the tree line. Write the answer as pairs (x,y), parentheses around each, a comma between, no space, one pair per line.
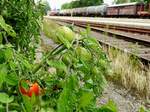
(81,3)
(84,3)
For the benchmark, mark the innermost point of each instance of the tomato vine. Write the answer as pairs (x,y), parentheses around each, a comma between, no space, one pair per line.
(69,78)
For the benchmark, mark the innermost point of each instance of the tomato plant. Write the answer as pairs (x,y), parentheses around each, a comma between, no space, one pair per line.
(79,65)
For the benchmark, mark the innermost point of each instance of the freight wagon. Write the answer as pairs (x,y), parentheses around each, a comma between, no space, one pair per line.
(135,9)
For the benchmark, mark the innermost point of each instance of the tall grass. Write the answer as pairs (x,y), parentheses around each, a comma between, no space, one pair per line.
(129,71)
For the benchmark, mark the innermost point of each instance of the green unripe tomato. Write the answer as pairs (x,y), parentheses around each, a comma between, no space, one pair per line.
(95,70)
(83,53)
(67,33)
(66,59)
(103,62)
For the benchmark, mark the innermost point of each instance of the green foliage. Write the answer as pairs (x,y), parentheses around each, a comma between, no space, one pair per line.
(28,104)
(67,99)
(74,83)
(81,3)
(85,99)
(142,109)
(127,1)
(23,23)
(46,6)
(4,98)
(121,1)
(109,107)
(7,27)
(82,78)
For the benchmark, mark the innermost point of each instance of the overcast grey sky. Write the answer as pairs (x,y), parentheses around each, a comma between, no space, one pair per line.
(56,4)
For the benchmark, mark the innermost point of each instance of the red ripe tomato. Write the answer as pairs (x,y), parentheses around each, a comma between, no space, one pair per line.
(34,89)
(23,90)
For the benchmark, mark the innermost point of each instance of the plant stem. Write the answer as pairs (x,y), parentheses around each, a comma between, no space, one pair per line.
(48,56)
(7,107)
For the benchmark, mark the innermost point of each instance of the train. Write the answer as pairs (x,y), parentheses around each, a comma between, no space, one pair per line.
(135,9)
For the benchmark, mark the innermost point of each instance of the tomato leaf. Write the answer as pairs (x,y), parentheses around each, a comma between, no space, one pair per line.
(3,73)
(27,103)
(2,108)
(8,53)
(85,99)
(67,97)
(7,27)
(33,99)
(12,79)
(12,65)
(57,64)
(24,84)
(4,98)
(109,107)
(26,64)
(1,38)
(47,110)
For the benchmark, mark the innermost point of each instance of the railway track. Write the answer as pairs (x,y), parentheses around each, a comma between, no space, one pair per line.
(136,42)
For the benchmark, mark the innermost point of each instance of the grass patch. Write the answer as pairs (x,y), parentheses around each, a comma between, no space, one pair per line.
(50,28)
(130,72)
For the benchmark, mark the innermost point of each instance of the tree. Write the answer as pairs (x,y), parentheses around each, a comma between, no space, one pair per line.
(46,6)
(121,1)
(81,3)
(128,1)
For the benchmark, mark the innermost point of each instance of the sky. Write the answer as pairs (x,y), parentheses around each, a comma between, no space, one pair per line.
(56,4)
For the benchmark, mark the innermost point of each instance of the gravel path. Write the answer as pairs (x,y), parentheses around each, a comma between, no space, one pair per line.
(125,102)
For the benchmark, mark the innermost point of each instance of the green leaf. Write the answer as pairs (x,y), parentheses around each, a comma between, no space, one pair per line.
(57,64)
(7,27)
(8,53)
(12,79)
(26,64)
(4,98)
(13,111)
(93,44)
(85,99)
(27,103)
(88,30)
(3,73)
(1,38)
(64,40)
(12,65)
(142,109)
(67,97)
(2,108)
(33,99)
(47,110)
(109,107)
(24,84)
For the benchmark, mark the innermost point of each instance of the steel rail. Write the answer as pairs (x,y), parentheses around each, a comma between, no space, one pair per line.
(129,26)
(145,39)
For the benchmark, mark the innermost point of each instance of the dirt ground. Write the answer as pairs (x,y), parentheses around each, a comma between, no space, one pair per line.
(124,100)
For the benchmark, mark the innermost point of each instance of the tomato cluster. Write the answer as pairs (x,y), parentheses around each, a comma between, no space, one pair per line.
(33,88)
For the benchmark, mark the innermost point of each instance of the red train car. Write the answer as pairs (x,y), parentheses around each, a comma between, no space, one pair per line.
(146,11)
(128,9)
(53,13)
